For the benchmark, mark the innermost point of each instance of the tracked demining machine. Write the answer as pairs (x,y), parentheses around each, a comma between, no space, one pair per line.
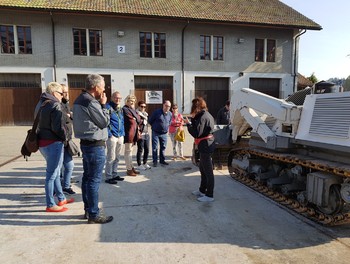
(295,151)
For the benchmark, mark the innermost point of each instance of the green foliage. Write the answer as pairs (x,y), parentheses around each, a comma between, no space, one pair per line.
(313,78)
(346,84)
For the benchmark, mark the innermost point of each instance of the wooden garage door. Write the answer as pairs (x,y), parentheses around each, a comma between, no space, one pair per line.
(154,83)
(270,86)
(214,91)
(19,94)
(76,84)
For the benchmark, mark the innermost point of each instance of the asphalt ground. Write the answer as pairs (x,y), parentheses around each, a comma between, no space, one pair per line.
(156,219)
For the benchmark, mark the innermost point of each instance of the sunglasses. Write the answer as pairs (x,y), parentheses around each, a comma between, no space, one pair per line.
(142,106)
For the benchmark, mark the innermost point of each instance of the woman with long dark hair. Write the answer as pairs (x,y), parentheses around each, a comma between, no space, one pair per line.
(201,127)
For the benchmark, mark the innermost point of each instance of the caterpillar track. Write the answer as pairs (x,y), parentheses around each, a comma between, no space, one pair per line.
(291,199)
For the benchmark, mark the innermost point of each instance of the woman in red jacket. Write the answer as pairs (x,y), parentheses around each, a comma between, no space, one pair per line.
(175,124)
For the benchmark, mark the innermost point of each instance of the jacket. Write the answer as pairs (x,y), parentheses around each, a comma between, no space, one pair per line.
(223,116)
(51,125)
(91,119)
(160,121)
(131,123)
(116,125)
(202,125)
(68,119)
(176,121)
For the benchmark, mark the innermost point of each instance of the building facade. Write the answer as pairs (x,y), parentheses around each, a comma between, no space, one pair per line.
(155,57)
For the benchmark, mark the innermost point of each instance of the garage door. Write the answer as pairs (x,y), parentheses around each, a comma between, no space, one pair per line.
(19,94)
(214,91)
(268,86)
(154,83)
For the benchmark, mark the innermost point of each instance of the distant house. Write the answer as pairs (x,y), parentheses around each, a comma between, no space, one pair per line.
(178,49)
(303,82)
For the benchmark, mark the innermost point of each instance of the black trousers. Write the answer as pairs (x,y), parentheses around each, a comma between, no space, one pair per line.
(142,146)
(207,174)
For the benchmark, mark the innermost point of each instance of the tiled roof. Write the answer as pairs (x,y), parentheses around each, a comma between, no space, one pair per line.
(261,12)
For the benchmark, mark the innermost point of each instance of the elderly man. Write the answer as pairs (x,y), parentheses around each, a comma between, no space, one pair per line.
(115,139)
(160,122)
(90,123)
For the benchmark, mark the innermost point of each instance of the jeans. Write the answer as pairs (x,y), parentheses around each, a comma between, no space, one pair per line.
(67,168)
(207,174)
(176,145)
(94,158)
(162,139)
(53,155)
(142,146)
(114,147)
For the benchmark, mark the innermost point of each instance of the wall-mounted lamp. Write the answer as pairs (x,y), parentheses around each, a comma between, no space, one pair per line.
(240,74)
(120,33)
(240,40)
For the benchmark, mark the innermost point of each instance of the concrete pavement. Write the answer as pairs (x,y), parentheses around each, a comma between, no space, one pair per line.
(156,219)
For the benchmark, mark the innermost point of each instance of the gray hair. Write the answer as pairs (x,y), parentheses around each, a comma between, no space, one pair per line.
(93,80)
(53,87)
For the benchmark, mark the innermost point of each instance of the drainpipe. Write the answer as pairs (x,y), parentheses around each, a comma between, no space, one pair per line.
(295,58)
(183,65)
(53,46)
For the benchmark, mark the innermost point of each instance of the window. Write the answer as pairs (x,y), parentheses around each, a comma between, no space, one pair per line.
(211,47)
(24,40)
(265,50)
(218,48)
(87,42)
(205,47)
(159,45)
(152,45)
(15,39)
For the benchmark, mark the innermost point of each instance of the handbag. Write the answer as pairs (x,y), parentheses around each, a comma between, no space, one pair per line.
(180,135)
(72,148)
(31,143)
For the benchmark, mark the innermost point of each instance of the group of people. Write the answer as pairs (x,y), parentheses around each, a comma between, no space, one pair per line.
(100,125)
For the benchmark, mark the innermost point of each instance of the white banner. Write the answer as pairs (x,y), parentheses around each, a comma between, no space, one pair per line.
(154,97)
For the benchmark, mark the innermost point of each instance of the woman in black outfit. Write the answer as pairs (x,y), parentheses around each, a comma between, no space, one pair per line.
(201,127)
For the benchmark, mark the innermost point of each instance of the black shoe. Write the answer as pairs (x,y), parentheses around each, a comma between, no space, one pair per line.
(155,164)
(100,220)
(86,215)
(111,181)
(68,191)
(118,178)
(164,163)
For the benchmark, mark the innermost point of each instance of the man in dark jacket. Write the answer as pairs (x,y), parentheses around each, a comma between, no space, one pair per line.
(90,123)
(223,116)
(160,122)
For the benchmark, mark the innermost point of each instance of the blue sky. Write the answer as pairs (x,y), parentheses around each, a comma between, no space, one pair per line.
(327,52)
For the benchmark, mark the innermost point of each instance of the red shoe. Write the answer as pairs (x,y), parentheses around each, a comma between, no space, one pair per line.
(65,201)
(56,209)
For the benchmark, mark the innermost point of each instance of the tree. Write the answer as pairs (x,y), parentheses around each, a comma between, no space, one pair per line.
(313,78)
(346,84)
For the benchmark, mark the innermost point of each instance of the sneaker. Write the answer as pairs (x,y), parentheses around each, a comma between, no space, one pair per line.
(173,158)
(147,167)
(198,193)
(155,164)
(205,199)
(141,167)
(164,163)
(65,201)
(183,158)
(86,215)
(111,181)
(68,191)
(100,220)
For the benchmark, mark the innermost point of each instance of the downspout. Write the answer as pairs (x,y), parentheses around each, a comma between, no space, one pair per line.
(295,58)
(183,65)
(53,46)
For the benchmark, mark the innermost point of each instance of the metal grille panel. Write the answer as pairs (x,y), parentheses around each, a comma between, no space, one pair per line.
(331,117)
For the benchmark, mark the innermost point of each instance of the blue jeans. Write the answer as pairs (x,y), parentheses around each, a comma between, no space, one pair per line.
(53,155)
(94,158)
(162,139)
(67,168)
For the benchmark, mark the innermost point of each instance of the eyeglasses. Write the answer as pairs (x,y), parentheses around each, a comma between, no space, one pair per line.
(167,105)
(174,108)
(142,106)
(119,98)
